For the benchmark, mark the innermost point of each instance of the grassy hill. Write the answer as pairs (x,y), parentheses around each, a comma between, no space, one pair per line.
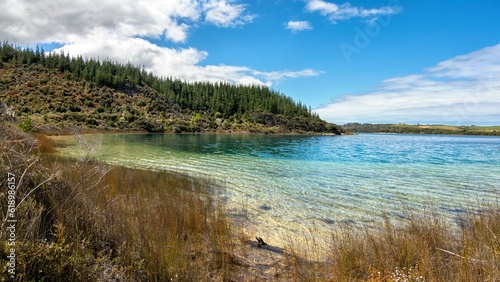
(54,92)
(423,129)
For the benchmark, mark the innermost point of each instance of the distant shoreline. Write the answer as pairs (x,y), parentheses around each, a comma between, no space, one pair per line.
(469,130)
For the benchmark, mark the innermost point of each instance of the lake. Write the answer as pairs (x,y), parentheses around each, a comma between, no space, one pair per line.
(283,184)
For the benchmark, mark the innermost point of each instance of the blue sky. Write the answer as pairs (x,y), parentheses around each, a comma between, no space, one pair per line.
(412,61)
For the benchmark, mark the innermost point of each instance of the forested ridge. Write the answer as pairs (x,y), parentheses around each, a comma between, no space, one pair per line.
(58,90)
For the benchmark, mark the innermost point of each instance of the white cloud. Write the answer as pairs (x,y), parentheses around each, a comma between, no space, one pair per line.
(483,62)
(280,75)
(346,11)
(27,21)
(298,25)
(224,14)
(325,8)
(462,90)
(119,30)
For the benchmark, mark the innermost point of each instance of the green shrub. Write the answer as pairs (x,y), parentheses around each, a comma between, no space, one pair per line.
(149,125)
(91,121)
(100,109)
(26,125)
(74,108)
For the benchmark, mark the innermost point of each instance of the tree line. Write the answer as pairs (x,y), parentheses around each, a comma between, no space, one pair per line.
(221,98)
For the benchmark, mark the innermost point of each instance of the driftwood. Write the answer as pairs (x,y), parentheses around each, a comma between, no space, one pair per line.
(265,246)
(260,242)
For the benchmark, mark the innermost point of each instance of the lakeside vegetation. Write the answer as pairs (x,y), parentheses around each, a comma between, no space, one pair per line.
(79,220)
(82,220)
(422,129)
(53,91)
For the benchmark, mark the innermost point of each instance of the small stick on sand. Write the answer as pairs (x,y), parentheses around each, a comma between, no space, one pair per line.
(261,242)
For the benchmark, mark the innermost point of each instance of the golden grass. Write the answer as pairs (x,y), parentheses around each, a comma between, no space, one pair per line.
(424,247)
(444,127)
(91,221)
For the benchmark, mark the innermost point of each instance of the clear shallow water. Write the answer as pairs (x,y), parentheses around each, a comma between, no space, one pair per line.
(294,183)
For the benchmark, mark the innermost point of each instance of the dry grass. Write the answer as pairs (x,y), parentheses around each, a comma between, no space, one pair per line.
(88,221)
(425,247)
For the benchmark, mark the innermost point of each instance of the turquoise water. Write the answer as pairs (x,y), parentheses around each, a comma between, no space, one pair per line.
(295,183)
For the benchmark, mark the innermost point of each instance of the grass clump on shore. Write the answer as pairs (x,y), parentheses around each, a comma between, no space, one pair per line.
(81,220)
(423,247)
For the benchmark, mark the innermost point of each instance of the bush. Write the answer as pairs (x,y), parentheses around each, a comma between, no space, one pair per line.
(149,125)
(91,121)
(74,108)
(26,125)
(78,117)
(100,109)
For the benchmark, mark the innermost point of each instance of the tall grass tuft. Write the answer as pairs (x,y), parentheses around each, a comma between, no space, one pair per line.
(425,246)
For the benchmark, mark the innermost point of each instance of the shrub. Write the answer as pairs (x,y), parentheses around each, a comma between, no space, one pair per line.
(100,109)
(149,125)
(74,108)
(26,125)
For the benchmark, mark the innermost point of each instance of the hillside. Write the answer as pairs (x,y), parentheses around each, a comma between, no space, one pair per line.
(423,129)
(50,92)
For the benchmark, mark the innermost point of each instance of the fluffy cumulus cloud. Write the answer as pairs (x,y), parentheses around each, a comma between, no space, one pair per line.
(26,21)
(122,30)
(223,13)
(346,11)
(462,90)
(298,25)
